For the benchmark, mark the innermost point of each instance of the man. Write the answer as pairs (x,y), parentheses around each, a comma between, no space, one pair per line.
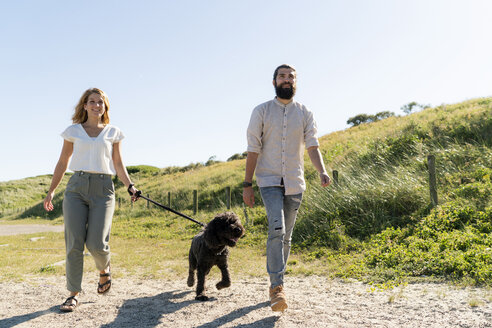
(278,132)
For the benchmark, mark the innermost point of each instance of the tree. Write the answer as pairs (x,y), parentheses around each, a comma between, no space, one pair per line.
(382,115)
(212,160)
(359,119)
(237,156)
(366,118)
(408,108)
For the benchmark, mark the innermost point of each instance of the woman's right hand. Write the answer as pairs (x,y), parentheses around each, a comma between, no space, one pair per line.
(48,205)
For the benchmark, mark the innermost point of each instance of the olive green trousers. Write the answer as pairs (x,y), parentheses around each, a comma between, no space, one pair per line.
(88,207)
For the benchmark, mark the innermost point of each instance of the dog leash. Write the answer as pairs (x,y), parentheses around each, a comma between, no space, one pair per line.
(139,194)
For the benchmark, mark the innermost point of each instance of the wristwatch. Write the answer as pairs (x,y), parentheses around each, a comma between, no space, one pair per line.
(129,189)
(247,184)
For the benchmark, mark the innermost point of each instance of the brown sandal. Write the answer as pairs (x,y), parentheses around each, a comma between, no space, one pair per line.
(69,305)
(108,282)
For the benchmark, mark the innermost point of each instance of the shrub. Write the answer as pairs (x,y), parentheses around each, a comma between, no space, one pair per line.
(238,156)
(144,169)
(451,242)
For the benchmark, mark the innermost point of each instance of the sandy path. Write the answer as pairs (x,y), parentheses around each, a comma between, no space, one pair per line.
(17,229)
(314,302)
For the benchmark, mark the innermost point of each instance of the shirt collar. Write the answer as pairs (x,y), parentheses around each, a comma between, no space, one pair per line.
(281,104)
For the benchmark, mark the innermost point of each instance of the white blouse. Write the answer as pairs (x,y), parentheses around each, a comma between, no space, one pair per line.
(93,155)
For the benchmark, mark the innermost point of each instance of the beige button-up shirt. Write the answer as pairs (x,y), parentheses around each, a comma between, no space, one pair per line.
(279,134)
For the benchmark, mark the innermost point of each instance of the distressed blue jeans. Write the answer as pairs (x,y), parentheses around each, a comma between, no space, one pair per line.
(281,214)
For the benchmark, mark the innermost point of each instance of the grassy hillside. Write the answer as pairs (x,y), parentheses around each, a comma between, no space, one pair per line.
(23,198)
(383,167)
(381,209)
(376,224)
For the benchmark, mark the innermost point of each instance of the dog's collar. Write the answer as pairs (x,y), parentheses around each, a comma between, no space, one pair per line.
(221,250)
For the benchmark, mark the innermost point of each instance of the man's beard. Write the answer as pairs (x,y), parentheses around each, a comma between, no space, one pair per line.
(285,93)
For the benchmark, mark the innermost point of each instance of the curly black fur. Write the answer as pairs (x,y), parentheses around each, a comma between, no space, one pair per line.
(209,248)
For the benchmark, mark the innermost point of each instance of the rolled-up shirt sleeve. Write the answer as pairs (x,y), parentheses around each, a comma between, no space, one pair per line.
(254,132)
(310,131)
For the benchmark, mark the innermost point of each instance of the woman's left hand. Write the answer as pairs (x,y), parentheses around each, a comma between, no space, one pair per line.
(134,194)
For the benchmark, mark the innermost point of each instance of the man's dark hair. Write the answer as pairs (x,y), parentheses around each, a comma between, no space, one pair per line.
(282,66)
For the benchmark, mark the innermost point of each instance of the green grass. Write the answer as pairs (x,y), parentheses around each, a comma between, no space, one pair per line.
(376,224)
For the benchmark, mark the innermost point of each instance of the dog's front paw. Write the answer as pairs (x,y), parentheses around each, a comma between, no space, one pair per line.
(191,281)
(201,298)
(223,284)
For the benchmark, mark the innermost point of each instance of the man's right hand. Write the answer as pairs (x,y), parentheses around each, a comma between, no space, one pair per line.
(249,196)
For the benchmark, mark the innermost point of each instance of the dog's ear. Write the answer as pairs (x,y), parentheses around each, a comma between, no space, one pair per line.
(210,235)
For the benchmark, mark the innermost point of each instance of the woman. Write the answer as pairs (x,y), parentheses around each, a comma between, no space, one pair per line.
(88,205)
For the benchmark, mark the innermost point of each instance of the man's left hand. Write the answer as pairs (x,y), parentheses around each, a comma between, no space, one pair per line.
(325,179)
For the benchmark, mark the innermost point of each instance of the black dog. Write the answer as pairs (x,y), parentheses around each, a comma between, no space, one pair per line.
(209,248)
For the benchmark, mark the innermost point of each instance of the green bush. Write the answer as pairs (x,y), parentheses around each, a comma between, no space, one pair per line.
(451,242)
(144,169)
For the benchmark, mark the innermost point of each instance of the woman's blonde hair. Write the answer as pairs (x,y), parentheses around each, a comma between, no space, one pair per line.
(80,115)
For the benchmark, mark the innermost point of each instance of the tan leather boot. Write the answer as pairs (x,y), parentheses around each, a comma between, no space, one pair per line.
(277,299)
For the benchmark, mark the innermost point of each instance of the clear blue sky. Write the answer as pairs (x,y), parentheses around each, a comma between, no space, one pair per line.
(183,76)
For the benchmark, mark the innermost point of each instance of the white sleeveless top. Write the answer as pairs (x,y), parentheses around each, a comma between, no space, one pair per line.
(93,155)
